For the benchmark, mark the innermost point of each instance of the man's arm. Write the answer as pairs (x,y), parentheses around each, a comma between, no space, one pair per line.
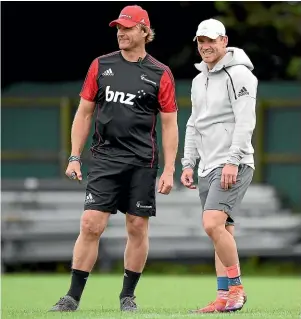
(190,150)
(81,126)
(169,140)
(243,105)
(83,117)
(168,111)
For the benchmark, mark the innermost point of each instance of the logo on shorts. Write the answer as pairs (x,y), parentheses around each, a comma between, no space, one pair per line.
(89,199)
(139,205)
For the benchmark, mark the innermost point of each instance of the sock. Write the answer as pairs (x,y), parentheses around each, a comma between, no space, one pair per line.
(233,273)
(78,282)
(222,283)
(222,287)
(130,280)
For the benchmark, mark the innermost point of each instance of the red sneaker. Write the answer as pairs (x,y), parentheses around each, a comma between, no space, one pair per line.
(236,299)
(216,306)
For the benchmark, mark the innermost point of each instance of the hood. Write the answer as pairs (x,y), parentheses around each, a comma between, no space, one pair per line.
(234,56)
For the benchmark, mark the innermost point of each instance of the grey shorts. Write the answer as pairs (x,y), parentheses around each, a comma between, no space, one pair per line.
(213,197)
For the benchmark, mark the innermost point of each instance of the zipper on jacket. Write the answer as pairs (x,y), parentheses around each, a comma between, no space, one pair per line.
(206,107)
(203,148)
(235,96)
(206,85)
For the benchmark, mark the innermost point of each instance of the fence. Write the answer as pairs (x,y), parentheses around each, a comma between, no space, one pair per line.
(36,142)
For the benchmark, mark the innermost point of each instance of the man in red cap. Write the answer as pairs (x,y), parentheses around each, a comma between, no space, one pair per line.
(127,89)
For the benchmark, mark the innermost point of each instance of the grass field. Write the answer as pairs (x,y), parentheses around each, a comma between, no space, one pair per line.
(157,297)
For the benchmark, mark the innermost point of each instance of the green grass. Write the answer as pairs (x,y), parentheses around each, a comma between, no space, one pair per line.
(158,297)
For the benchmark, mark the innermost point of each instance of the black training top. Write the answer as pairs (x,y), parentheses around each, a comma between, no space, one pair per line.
(128,97)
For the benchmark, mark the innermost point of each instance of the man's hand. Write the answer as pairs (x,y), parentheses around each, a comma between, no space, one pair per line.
(229,175)
(165,183)
(73,171)
(187,178)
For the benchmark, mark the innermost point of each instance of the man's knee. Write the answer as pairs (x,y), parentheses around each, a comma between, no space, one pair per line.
(93,223)
(214,222)
(137,226)
(230,229)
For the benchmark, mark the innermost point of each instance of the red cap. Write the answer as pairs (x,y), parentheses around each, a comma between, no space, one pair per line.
(131,16)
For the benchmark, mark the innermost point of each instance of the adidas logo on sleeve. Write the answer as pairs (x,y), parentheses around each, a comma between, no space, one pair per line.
(243,92)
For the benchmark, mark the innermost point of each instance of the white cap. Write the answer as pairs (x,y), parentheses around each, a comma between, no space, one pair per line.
(210,28)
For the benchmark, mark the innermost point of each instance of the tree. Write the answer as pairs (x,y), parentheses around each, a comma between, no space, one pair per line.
(280,20)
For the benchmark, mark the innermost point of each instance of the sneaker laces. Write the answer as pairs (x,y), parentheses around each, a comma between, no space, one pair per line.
(129,301)
(63,301)
(234,293)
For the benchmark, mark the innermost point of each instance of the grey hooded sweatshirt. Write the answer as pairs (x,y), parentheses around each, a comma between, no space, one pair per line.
(223,118)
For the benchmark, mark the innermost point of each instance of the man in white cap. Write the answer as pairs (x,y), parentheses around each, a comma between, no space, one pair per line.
(218,134)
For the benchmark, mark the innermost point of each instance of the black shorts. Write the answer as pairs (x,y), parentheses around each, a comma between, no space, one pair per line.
(113,186)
